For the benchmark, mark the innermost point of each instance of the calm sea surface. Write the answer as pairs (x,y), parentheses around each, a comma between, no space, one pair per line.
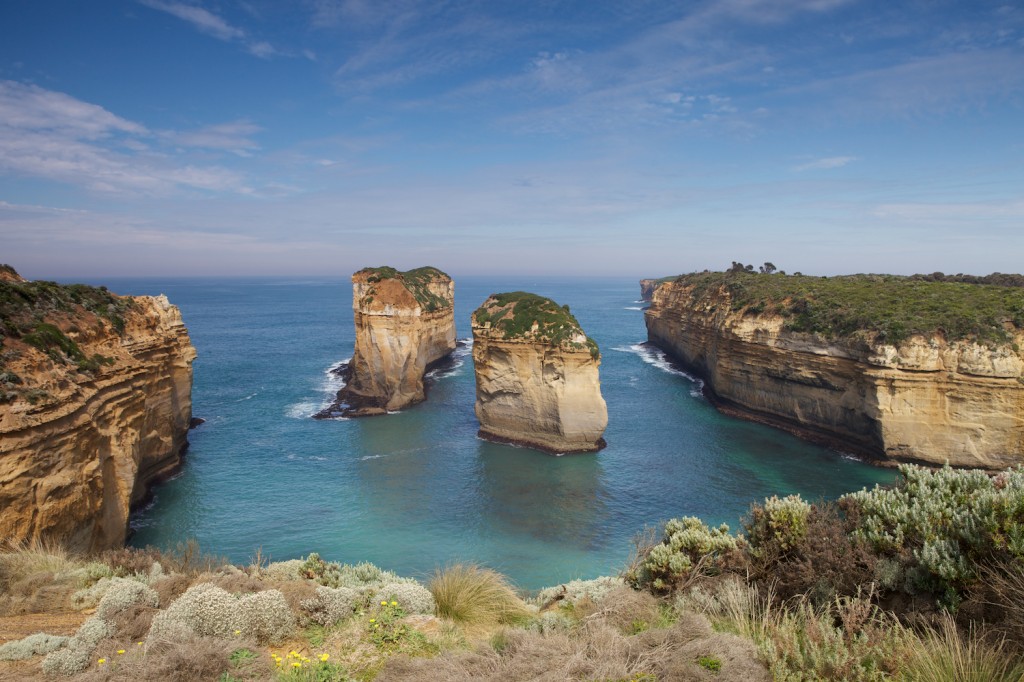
(414,490)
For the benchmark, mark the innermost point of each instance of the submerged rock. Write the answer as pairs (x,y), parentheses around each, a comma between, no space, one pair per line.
(537,380)
(405,324)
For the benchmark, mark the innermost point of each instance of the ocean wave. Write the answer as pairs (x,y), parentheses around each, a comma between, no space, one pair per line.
(632,307)
(330,383)
(653,355)
(250,396)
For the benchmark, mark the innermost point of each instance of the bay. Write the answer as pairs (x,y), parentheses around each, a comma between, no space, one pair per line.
(415,490)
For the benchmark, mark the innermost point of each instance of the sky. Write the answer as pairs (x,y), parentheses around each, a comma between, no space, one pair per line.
(591,137)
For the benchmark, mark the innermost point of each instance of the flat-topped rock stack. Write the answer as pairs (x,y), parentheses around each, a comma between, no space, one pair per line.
(404,323)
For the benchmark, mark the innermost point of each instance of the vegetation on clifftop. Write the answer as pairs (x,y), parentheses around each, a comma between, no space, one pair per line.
(892,306)
(37,313)
(416,281)
(515,313)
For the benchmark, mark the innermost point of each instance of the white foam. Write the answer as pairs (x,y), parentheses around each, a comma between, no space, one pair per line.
(366,457)
(632,307)
(656,357)
(249,397)
(458,359)
(328,386)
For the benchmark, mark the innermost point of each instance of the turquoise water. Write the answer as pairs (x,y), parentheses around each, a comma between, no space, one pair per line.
(417,489)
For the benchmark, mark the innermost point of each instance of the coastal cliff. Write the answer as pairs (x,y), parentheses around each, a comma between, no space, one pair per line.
(95,404)
(647,287)
(537,380)
(888,367)
(405,323)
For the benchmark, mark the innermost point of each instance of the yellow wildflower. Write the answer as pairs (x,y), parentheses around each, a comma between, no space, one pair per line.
(101,661)
(383,603)
(140,643)
(324,657)
(296,664)
(238,632)
(373,620)
(394,603)
(120,651)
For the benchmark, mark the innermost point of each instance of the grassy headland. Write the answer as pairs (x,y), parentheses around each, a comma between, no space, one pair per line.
(515,313)
(415,281)
(891,306)
(921,581)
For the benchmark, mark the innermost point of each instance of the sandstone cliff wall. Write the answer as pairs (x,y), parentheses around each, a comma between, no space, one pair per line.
(925,400)
(537,392)
(647,287)
(403,326)
(78,448)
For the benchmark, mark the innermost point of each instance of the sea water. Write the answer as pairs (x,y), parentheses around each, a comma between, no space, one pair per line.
(416,490)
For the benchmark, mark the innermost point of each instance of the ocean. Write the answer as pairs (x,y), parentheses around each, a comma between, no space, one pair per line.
(416,490)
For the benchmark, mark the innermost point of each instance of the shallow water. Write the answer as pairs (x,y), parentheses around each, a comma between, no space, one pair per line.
(414,490)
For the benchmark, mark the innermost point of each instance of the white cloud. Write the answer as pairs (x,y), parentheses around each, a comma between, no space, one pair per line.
(213,25)
(232,137)
(202,19)
(54,136)
(827,163)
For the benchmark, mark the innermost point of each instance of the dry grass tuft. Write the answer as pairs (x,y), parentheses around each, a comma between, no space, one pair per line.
(474,596)
(943,654)
(198,658)
(19,560)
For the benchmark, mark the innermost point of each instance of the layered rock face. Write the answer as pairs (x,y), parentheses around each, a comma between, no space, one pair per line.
(537,380)
(95,404)
(923,399)
(647,287)
(405,323)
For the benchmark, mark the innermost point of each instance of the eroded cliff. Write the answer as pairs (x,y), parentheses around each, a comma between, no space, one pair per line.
(95,404)
(923,372)
(537,380)
(405,323)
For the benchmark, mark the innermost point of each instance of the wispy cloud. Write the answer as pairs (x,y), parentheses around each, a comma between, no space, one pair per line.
(52,135)
(234,137)
(213,25)
(826,163)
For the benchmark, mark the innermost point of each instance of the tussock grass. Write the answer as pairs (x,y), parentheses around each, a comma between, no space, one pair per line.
(475,596)
(944,654)
(19,560)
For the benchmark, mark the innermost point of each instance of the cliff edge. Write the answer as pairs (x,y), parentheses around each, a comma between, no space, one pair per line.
(894,368)
(95,404)
(405,323)
(537,380)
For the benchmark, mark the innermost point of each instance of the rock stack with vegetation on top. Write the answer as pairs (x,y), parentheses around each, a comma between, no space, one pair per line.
(405,323)
(537,380)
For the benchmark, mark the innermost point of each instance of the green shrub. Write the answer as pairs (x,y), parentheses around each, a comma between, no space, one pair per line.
(77,652)
(331,605)
(123,593)
(264,616)
(940,524)
(412,597)
(33,645)
(520,313)
(779,526)
(688,547)
(204,610)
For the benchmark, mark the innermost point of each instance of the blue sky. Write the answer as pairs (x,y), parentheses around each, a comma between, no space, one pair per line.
(165,137)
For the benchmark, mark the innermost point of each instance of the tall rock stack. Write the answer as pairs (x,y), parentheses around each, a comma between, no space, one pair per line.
(95,404)
(537,380)
(404,323)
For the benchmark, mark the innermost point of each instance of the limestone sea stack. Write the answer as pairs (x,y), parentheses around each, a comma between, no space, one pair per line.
(95,405)
(537,378)
(895,368)
(405,323)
